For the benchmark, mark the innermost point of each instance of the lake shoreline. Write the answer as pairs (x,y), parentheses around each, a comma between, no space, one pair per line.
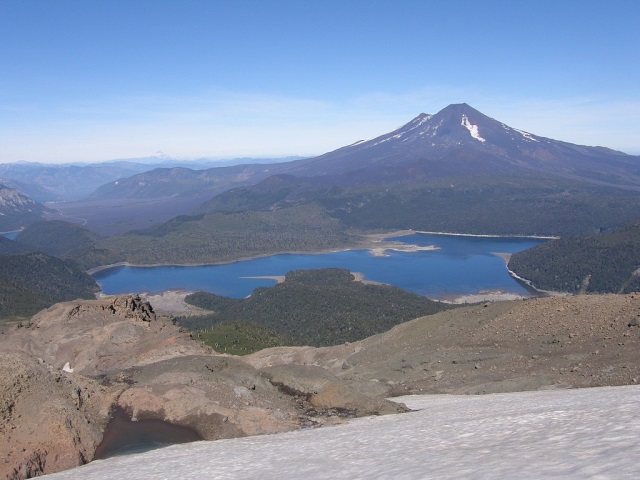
(370,242)
(377,245)
(365,244)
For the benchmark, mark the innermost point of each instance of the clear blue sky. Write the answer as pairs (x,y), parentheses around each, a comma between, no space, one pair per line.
(89,80)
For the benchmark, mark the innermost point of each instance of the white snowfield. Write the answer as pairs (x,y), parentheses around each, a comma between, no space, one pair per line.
(583,433)
(473,129)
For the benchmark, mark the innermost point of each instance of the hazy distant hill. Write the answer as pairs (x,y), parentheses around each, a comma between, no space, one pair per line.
(17,209)
(64,182)
(604,263)
(179,181)
(50,182)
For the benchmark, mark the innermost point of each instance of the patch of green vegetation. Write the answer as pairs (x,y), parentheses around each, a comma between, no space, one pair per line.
(606,263)
(316,307)
(239,338)
(34,281)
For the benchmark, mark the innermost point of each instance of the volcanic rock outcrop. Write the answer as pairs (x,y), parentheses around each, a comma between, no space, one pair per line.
(64,373)
(44,423)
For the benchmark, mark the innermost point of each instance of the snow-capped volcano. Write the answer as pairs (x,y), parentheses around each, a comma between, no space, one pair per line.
(458,125)
(461,141)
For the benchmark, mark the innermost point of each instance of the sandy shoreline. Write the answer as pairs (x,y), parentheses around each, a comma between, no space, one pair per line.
(482,296)
(541,237)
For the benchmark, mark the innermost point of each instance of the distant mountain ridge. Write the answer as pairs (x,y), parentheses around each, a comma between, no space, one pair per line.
(181,181)
(459,141)
(457,170)
(72,181)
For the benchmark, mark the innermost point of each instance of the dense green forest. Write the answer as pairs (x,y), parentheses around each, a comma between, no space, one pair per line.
(58,238)
(216,237)
(608,262)
(195,239)
(485,206)
(532,204)
(33,281)
(316,307)
(11,247)
(240,338)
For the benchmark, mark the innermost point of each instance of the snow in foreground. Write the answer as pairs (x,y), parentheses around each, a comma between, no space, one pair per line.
(554,434)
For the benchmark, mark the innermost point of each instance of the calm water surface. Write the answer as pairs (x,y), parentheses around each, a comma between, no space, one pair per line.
(463,265)
(11,235)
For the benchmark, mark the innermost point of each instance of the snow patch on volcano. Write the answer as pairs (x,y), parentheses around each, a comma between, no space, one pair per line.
(473,129)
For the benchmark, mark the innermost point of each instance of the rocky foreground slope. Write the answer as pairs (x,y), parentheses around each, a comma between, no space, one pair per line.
(560,342)
(62,374)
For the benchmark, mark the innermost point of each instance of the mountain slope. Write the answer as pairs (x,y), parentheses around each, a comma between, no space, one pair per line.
(533,204)
(457,141)
(33,281)
(17,209)
(460,141)
(459,151)
(458,170)
(180,181)
(604,263)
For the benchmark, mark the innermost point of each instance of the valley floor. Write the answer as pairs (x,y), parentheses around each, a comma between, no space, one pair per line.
(583,433)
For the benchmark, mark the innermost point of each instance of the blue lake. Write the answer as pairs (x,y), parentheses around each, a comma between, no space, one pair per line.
(463,265)
(11,235)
